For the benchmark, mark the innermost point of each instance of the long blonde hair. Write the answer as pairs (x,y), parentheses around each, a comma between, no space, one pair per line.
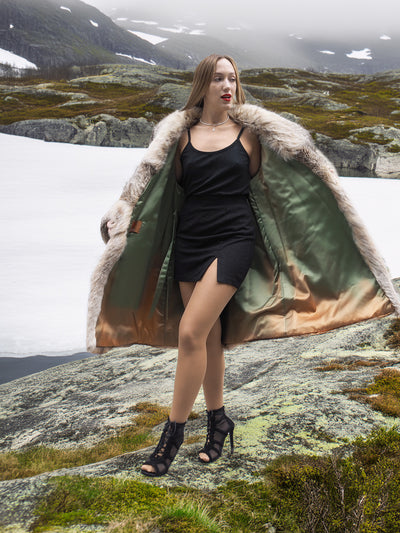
(203,76)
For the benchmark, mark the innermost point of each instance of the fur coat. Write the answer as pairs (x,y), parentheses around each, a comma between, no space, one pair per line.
(315,266)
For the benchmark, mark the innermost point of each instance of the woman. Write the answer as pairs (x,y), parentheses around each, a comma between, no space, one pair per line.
(297,261)
(215,161)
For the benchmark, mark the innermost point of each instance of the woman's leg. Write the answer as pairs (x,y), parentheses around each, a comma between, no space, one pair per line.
(213,383)
(202,311)
(204,302)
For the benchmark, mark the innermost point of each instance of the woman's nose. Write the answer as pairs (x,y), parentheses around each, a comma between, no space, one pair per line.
(227,85)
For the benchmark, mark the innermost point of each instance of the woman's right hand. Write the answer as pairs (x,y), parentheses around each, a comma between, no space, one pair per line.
(110,225)
(116,220)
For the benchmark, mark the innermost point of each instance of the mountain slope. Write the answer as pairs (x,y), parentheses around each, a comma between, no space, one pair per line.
(52,33)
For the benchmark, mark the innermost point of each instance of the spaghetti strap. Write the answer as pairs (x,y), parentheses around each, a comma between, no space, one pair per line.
(188,132)
(241,131)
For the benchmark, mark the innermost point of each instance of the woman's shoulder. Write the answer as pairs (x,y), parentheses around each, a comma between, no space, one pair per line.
(175,123)
(249,135)
(282,135)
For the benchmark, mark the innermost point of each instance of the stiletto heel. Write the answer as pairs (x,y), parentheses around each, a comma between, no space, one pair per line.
(166,449)
(219,426)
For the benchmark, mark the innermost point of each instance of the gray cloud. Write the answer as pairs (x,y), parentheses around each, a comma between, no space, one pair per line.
(317,17)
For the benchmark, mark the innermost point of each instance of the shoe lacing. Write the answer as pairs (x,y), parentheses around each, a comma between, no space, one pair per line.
(209,428)
(163,444)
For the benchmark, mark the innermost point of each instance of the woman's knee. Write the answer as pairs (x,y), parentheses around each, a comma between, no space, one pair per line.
(191,337)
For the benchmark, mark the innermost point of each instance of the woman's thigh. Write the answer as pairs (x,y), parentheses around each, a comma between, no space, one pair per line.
(186,288)
(204,301)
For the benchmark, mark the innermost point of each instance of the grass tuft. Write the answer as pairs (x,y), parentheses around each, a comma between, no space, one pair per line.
(188,516)
(357,492)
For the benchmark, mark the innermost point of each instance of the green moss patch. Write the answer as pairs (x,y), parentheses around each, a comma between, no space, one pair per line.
(113,99)
(264,78)
(363,137)
(38,459)
(394,149)
(383,394)
(392,335)
(353,364)
(356,490)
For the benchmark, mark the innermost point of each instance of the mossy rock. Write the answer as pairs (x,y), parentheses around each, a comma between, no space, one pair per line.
(172,95)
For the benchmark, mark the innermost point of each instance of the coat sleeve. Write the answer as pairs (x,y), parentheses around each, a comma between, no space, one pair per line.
(167,131)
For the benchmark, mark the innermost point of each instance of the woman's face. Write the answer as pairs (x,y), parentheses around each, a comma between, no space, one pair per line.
(222,89)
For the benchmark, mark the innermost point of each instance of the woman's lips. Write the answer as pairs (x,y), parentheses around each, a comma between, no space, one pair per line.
(226,97)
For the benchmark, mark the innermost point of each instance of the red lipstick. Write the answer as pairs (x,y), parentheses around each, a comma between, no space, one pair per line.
(226,97)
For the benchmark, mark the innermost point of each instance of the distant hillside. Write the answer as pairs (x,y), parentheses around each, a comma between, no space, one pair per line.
(17,367)
(56,33)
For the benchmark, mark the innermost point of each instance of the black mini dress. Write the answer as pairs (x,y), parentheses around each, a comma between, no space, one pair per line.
(216,220)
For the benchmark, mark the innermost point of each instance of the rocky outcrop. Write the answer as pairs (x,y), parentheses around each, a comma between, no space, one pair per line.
(262,92)
(172,95)
(139,76)
(357,156)
(349,158)
(311,98)
(279,400)
(100,130)
(332,106)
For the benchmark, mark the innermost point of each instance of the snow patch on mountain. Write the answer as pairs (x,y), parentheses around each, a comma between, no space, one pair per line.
(150,22)
(360,54)
(329,52)
(153,39)
(136,58)
(93,23)
(385,37)
(175,29)
(65,9)
(9,58)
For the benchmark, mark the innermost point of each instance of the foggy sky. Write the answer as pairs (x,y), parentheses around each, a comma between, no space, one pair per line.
(312,16)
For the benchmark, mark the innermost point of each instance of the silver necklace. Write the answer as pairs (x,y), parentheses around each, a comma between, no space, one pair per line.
(214,125)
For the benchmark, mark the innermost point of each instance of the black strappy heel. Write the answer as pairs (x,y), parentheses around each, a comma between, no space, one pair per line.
(168,446)
(219,426)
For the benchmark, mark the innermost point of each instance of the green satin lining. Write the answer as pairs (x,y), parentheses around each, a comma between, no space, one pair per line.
(151,248)
(301,224)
